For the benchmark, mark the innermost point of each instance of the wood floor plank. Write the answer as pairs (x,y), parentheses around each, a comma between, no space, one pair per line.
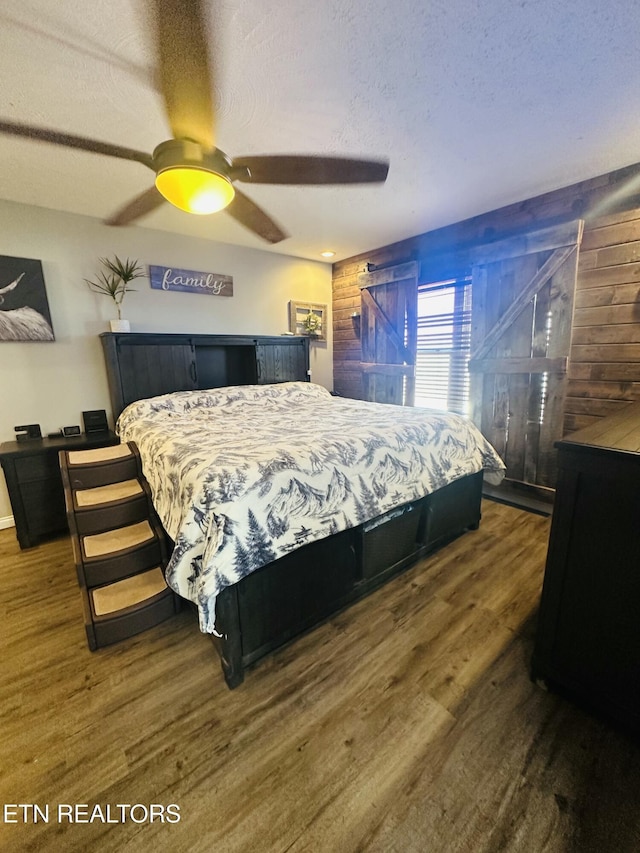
(406,723)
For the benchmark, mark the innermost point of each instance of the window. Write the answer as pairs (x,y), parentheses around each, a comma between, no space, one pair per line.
(443,344)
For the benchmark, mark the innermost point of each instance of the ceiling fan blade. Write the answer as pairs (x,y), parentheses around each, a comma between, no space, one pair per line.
(300,169)
(141,205)
(68,140)
(247,213)
(185,69)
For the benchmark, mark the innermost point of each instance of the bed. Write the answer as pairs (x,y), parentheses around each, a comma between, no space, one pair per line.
(284,503)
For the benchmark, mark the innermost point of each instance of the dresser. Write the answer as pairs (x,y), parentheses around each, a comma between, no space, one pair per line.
(588,635)
(32,472)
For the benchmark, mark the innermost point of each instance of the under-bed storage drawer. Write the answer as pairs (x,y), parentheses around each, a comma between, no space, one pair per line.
(295,592)
(451,509)
(426,523)
(390,538)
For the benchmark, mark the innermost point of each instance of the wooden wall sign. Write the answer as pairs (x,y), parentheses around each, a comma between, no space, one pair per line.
(190,281)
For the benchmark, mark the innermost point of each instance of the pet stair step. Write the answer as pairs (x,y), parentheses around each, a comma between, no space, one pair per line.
(107,507)
(119,625)
(100,466)
(99,546)
(118,596)
(115,554)
(85,499)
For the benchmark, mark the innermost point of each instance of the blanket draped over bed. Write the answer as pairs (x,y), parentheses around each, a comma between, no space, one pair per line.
(243,475)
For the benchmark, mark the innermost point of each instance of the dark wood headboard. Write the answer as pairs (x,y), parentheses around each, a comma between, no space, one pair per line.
(146,365)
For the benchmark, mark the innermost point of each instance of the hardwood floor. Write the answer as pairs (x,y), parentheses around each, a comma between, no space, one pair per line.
(407,723)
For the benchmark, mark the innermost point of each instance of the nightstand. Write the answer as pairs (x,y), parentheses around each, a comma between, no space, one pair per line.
(32,471)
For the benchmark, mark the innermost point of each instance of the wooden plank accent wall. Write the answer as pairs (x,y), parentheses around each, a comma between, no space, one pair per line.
(604,364)
(604,368)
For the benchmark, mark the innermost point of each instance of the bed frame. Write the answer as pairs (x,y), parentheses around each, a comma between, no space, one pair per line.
(283,599)
(289,596)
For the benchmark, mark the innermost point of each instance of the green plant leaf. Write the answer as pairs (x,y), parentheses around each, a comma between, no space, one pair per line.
(113,281)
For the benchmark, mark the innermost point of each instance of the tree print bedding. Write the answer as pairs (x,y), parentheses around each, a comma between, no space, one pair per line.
(243,475)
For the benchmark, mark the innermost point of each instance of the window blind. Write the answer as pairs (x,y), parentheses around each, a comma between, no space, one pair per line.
(443,345)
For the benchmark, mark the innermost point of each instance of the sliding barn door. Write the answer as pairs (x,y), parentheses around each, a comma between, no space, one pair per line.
(388,329)
(522,293)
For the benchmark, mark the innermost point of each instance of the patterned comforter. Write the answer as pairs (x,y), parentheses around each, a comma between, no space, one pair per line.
(243,475)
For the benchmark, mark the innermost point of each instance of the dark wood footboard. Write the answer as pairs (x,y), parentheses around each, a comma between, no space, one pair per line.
(294,593)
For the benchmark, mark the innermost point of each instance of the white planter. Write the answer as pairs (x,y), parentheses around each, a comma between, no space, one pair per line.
(119,325)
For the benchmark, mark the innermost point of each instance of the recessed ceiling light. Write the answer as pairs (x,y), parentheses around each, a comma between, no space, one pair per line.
(327,254)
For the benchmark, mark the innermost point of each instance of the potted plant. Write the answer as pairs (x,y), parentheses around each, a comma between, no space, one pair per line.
(113,281)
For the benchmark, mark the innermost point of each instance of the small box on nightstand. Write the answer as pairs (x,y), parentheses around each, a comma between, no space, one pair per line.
(95,421)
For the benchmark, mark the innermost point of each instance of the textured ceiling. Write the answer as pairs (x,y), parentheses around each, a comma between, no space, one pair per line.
(476,103)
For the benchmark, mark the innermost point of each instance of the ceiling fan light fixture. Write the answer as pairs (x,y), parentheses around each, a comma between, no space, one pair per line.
(194,189)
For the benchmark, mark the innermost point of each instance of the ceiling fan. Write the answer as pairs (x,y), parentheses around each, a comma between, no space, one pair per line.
(191,172)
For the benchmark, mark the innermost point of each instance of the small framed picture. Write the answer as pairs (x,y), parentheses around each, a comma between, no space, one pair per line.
(308,318)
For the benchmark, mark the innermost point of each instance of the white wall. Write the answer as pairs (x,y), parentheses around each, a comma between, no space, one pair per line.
(53,383)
